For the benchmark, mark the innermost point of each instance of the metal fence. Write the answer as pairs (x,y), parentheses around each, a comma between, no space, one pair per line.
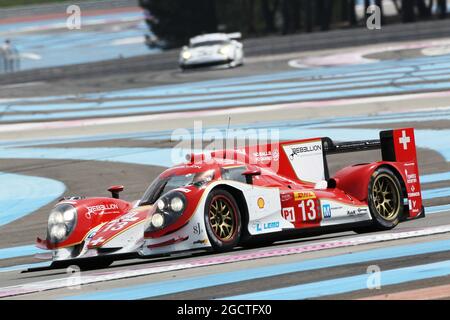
(9,59)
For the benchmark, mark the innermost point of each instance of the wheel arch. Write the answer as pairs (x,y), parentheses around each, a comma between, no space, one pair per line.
(398,175)
(241,202)
(355,179)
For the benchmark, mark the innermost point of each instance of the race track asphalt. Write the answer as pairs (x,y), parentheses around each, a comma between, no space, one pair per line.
(89,155)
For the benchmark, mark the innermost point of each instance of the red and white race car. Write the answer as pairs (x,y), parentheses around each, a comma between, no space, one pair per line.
(229,198)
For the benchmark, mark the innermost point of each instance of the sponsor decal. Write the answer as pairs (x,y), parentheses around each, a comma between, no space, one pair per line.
(265,156)
(102,209)
(304,195)
(197,229)
(261,203)
(288,214)
(97,241)
(286,196)
(201,241)
(183,190)
(412,204)
(326,211)
(266,226)
(357,212)
(413,194)
(404,140)
(410,178)
(295,151)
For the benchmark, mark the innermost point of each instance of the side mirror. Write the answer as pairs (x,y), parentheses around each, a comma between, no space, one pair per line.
(115,190)
(250,173)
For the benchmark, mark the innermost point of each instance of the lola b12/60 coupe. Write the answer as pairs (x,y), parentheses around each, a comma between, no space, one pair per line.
(221,200)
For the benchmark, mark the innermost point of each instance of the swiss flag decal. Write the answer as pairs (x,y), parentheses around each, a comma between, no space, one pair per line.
(405,145)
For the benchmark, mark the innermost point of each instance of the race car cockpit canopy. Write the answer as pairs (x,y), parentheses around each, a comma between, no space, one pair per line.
(213,37)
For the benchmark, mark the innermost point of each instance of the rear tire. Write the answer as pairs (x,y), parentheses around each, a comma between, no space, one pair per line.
(385,199)
(222,220)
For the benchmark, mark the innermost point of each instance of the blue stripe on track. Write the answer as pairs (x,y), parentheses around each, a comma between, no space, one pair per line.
(436,193)
(144,156)
(179,285)
(424,64)
(231,103)
(25,266)
(189,99)
(21,195)
(349,284)
(437,209)
(22,251)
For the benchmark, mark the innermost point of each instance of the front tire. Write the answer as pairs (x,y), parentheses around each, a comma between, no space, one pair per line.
(222,220)
(385,199)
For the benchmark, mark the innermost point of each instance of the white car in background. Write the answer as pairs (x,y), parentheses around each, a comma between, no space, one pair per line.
(213,50)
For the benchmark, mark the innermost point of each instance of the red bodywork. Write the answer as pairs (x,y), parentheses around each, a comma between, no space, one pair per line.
(270,168)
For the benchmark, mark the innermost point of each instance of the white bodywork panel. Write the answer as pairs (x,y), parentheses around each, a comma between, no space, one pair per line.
(306,158)
(334,213)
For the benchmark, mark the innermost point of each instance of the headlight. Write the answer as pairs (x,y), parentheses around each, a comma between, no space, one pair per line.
(69,215)
(161,204)
(168,210)
(157,220)
(58,231)
(61,222)
(55,218)
(226,50)
(186,55)
(176,204)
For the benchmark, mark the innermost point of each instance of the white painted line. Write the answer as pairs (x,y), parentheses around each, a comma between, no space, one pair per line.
(357,55)
(137,271)
(203,113)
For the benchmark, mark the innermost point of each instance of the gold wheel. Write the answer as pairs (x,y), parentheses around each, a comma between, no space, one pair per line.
(386,197)
(222,217)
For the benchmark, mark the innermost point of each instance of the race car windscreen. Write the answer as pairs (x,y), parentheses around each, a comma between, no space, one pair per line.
(163,185)
(209,43)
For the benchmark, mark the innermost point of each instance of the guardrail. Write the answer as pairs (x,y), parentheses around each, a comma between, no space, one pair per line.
(253,47)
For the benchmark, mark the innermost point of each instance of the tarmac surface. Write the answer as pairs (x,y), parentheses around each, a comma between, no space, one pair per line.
(91,133)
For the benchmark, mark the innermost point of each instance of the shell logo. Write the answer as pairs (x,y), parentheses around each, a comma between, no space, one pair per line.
(261,203)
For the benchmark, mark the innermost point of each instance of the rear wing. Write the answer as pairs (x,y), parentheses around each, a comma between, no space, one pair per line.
(331,148)
(308,158)
(396,145)
(398,148)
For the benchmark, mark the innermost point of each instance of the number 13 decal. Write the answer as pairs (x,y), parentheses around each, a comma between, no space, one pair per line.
(309,212)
